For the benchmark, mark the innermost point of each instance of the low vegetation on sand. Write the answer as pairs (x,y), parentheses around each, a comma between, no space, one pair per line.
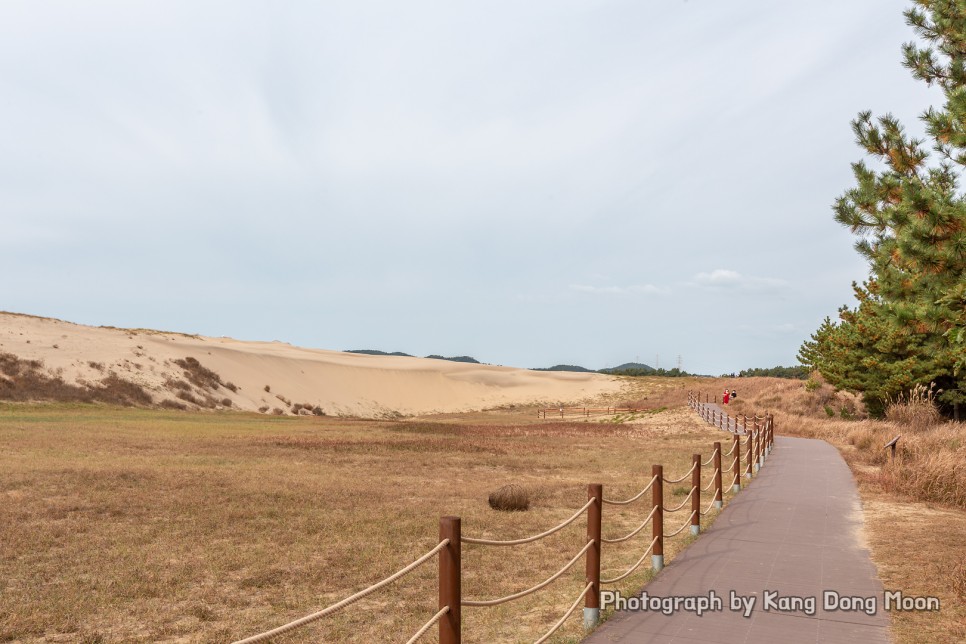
(143,524)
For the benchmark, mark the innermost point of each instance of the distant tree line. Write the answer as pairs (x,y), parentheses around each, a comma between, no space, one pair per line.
(797,372)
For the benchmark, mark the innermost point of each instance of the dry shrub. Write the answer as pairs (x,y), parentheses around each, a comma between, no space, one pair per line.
(510,498)
(167,403)
(118,391)
(199,375)
(263,408)
(25,380)
(277,411)
(915,410)
(177,384)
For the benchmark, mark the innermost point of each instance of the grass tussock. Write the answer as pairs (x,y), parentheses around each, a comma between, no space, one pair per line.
(510,498)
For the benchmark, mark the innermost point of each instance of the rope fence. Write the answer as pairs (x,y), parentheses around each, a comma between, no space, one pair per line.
(633,498)
(448,550)
(685,525)
(634,531)
(563,412)
(570,611)
(348,600)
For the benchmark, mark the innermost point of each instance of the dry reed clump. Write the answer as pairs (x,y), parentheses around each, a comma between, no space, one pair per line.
(915,410)
(510,498)
(930,466)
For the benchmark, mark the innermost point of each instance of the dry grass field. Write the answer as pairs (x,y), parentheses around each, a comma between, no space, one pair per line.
(124,525)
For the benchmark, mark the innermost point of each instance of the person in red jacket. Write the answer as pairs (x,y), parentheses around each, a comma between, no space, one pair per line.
(725,396)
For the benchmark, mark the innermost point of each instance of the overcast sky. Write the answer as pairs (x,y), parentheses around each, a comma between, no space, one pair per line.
(530,183)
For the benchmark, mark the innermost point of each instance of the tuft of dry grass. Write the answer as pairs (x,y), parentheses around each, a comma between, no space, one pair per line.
(510,498)
(915,410)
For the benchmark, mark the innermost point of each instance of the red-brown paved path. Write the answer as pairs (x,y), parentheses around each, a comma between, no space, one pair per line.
(794,530)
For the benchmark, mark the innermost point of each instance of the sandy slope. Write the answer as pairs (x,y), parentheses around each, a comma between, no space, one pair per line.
(341,383)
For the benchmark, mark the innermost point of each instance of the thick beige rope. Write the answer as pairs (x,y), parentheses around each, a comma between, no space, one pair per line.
(516,542)
(714,476)
(686,475)
(635,531)
(632,568)
(633,498)
(710,458)
(570,611)
(345,602)
(428,625)
(686,524)
(708,509)
(542,584)
(686,499)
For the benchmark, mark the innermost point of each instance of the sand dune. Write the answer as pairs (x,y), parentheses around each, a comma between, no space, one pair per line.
(334,381)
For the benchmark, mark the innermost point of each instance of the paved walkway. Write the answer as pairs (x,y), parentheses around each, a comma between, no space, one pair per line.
(794,530)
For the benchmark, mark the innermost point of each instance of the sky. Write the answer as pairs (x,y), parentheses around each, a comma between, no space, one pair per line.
(530,183)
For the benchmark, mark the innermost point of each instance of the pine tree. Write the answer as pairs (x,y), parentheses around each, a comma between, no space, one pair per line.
(910,325)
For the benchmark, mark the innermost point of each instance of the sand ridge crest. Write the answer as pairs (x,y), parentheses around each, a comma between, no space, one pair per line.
(335,381)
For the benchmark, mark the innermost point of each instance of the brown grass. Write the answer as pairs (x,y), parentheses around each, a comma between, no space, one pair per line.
(133,524)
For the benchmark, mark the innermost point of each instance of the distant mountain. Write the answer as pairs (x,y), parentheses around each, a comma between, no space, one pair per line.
(565,367)
(629,366)
(376,352)
(455,358)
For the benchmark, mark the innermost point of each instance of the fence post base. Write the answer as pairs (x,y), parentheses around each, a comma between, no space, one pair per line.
(695,529)
(657,562)
(718,505)
(736,488)
(591,618)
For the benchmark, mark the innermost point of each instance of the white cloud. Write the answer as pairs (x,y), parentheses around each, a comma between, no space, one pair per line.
(727,279)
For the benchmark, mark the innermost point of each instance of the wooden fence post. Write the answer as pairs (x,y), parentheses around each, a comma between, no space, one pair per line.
(450,591)
(736,485)
(592,599)
(718,493)
(657,522)
(760,445)
(751,457)
(696,496)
